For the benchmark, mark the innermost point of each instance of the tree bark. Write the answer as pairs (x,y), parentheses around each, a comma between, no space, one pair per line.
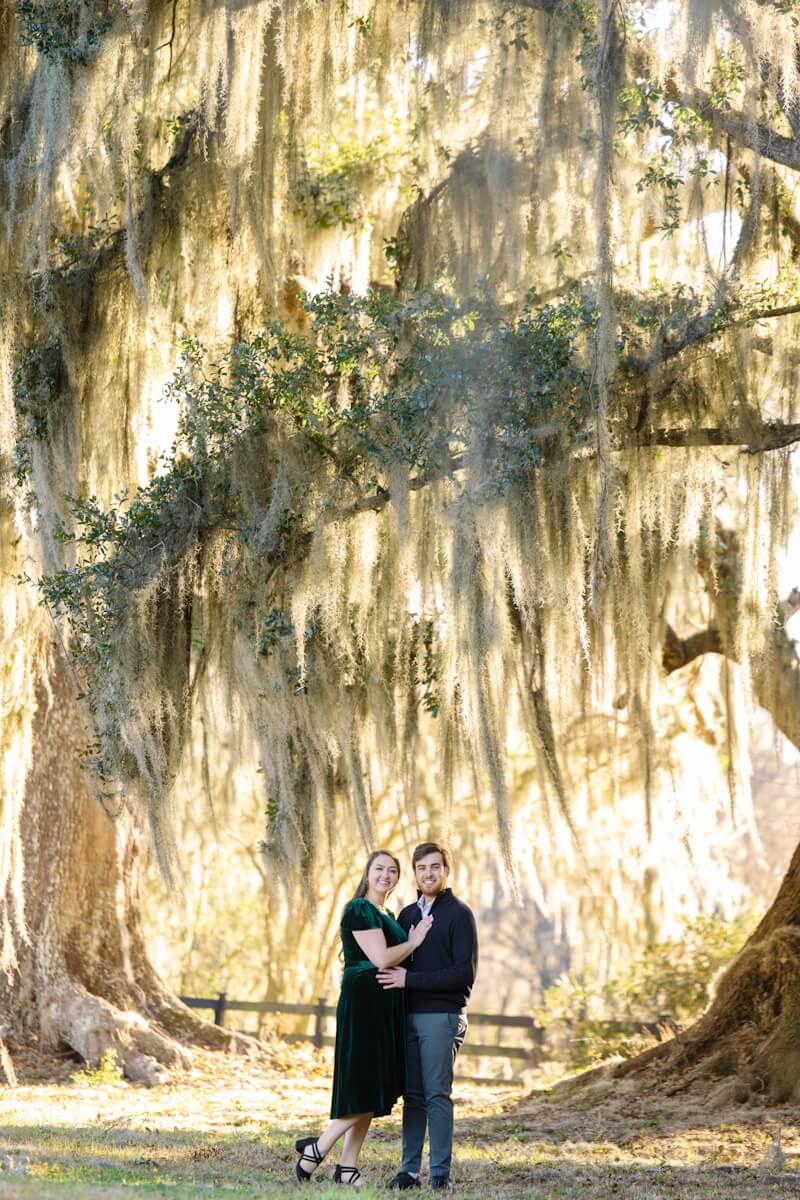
(747,1044)
(75,969)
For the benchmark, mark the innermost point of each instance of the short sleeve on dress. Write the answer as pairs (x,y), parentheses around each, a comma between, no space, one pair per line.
(360,914)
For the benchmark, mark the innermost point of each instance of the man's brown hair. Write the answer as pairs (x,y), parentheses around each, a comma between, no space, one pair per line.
(430,848)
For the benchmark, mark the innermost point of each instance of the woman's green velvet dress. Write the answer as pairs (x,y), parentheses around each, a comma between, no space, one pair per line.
(369,1070)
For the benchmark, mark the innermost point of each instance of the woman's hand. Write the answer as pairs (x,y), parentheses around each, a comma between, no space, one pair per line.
(418,933)
(373,944)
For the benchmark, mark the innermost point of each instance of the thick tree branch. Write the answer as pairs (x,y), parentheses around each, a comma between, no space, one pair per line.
(679,652)
(775,671)
(756,436)
(776,676)
(791,604)
(707,325)
(754,134)
(771,435)
(380,498)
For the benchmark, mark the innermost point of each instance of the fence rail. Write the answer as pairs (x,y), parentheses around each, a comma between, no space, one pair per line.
(323,1010)
(532,1053)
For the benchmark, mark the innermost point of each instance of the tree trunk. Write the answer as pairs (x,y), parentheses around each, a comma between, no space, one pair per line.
(747,1044)
(76,972)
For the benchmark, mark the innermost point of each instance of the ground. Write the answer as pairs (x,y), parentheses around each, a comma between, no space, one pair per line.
(229,1126)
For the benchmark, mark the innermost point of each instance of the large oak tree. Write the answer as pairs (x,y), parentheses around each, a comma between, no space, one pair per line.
(360,518)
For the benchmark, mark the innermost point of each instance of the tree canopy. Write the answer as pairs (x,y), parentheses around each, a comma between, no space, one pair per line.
(380,371)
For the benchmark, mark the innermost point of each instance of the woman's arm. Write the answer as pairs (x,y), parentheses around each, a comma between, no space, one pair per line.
(373,943)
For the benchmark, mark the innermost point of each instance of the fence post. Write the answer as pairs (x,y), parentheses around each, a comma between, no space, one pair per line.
(219,1008)
(319,1017)
(537,1043)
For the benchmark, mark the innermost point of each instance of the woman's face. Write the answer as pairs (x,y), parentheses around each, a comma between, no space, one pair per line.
(383,874)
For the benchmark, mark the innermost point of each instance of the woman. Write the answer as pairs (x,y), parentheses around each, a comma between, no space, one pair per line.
(369,1071)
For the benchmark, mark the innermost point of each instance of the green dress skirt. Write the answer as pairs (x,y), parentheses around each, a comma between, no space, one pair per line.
(369,1071)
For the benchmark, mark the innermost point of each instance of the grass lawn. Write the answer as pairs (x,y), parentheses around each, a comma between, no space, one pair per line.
(228,1126)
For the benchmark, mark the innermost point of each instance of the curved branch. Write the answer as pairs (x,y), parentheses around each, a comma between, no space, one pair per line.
(754,134)
(679,652)
(775,671)
(702,328)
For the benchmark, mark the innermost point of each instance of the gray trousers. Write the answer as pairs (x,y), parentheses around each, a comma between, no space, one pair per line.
(434,1040)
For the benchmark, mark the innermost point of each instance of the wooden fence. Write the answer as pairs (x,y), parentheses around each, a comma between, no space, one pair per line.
(528,1055)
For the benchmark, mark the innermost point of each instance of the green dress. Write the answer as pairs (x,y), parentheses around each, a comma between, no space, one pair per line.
(369,1069)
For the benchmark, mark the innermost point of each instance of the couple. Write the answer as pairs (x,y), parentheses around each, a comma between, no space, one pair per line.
(399,1028)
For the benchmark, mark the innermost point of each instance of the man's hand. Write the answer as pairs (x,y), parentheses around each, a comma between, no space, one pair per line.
(392,977)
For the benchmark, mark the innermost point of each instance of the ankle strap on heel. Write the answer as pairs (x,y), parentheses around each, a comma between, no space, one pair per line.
(308,1149)
(347,1175)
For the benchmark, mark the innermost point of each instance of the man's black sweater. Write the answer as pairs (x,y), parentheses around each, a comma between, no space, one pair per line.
(441,971)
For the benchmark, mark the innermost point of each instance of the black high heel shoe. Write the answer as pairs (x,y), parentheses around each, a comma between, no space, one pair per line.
(308,1149)
(353,1175)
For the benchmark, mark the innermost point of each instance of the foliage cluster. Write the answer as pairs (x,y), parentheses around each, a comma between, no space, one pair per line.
(336,177)
(37,382)
(373,385)
(72,250)
(425,672)
(425,385)
(429,377)
(122,549)
(673,979)
(68,31)
(678,138)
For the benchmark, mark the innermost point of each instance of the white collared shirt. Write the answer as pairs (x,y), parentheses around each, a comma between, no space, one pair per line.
(425,906)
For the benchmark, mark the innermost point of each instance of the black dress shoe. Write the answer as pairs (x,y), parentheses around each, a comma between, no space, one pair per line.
(403,1181)
(441,1183)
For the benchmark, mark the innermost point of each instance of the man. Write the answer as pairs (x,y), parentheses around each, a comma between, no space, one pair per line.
(439,978)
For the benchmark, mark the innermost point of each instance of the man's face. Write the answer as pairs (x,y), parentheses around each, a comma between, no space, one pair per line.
(431,874)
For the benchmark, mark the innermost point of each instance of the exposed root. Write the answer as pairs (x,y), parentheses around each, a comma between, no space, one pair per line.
(92,1027)
(182,1023)
(747,1045)
(148,1042)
